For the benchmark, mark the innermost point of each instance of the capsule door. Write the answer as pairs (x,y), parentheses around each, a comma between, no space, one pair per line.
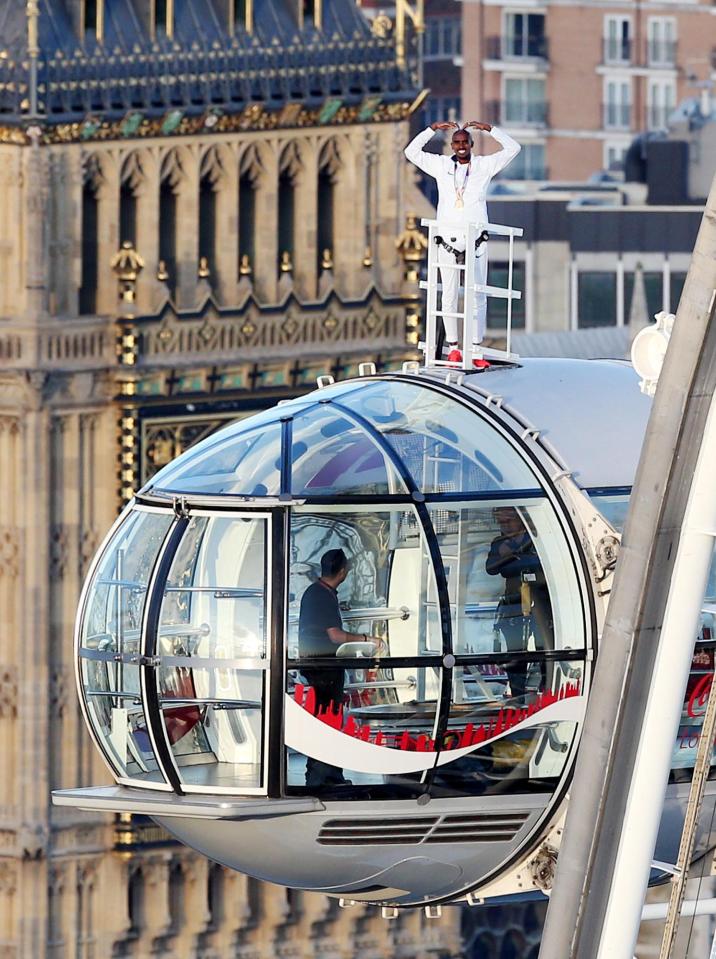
(208,688)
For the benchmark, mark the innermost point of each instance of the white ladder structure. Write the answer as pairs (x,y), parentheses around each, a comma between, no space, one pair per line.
(468,315)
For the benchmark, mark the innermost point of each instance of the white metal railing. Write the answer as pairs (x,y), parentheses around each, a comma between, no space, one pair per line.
(468,315)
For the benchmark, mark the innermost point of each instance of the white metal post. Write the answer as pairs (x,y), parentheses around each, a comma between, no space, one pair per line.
(508,338)
(431,306)
(469,318)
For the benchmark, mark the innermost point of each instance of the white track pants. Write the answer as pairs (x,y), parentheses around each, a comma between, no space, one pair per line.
(450,280)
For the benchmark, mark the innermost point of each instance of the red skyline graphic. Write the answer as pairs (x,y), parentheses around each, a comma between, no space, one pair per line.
(455,738)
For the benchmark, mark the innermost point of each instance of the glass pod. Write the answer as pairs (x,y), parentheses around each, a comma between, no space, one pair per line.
(412,750)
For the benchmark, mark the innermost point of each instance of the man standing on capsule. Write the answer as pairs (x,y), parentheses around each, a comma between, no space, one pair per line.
(462,180)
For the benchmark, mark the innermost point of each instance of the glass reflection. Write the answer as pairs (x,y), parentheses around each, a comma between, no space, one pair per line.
(213,634)
(249,463)
(111,636)
(511,584)
(330,455)
(445,446)
(389,592)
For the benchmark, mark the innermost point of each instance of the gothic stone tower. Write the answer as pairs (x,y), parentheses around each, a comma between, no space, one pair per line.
(199,206)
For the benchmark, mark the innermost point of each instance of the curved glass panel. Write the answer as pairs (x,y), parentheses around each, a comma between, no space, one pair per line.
(444,445)
(246,462)
(495,745)
(511,580)
(111,637)
(330,455)
(236,464)
(212,646)
(385,606)
(389,592)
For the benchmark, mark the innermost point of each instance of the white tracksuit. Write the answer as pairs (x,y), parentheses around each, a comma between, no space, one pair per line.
(453,220)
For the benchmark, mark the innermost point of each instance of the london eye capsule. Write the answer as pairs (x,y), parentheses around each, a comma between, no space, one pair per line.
(428,755)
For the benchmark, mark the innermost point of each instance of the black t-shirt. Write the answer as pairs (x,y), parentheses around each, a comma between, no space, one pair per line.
(319,613)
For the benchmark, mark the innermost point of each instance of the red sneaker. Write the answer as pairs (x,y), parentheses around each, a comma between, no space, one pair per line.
(455,355)
(480,364)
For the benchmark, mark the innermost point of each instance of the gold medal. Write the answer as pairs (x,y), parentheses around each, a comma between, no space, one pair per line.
(460,190)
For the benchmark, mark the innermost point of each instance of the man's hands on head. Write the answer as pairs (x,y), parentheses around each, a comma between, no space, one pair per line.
(450,125)
(476,125)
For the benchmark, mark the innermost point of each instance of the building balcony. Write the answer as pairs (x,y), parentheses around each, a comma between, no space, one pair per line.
(517,47)
(661,53)
(616,116)
(617,51)
(517,113)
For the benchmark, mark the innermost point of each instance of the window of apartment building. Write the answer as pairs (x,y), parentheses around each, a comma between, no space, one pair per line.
(497,273)
(617,39)
(661,42)
(524,100)
(614,154)
(529,164)
(438,109)
(654,290)
(617,103)
(443,38)
(676,286)
(596,299)
(661,100)
(523,35)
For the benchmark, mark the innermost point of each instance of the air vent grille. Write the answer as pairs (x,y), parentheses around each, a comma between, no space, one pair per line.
(478,827)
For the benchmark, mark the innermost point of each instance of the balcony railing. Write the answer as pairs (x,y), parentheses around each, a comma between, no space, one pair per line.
(617,116)
(617,50)
(661,53)
(657,117)
(517,47)
(517,112)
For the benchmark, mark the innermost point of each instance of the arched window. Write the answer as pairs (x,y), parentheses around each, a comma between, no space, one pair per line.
(177,885)
(163,17)
(171,177)
(325,213)
(207,222)
(286,209)
(247,217)
(310,13)
(328,167)
(135,901)
(127,215)
(88,285)
(93,18)
(215,895)
(241,15)
(211,174)
(167,231)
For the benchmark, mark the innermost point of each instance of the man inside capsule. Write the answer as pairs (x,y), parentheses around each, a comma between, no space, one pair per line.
(321,633)
(524,609)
